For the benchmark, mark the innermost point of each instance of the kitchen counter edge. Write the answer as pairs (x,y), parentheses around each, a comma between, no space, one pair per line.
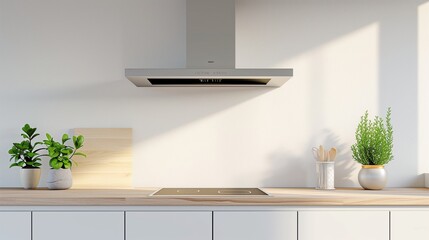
(278,197)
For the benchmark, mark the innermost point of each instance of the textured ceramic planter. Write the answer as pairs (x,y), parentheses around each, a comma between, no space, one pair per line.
(372,177)
(59,179)
(30,177)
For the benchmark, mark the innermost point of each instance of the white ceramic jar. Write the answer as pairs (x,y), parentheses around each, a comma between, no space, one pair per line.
(30,177)
(372,177)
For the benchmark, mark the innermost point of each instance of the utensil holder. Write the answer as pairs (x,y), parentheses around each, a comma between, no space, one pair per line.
(427,180)
(325,175)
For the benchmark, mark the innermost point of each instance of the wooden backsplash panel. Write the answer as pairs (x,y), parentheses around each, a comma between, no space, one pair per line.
(109,158)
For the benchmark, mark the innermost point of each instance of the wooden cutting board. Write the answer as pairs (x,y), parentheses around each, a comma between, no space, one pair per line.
(109,161)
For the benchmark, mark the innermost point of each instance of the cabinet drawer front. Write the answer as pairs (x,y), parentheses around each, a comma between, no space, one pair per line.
(15,225)
(78,225)
(169,225)
(410,225)
(341,225)
(257,225)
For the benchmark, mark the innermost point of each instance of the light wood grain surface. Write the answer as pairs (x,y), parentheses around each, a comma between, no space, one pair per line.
(278,197)
(108,163)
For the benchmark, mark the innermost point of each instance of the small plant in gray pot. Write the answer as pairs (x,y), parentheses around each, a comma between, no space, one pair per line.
(373,149)
(61,160)
(25,155)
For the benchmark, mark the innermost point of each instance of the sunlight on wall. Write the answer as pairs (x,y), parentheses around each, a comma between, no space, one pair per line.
(266,140)
(341,80)
(423,87)
(340,77)
(217,137)
(217,144)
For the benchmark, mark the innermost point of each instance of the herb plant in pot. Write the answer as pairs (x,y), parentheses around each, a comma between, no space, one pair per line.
(60,154)
(26,155)
(373,149)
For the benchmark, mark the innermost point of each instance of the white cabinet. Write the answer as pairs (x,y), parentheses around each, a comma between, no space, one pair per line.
(255,225)
(341,225)
(78,225)
(234,224)
(189,225)
(15,225)
(410,225)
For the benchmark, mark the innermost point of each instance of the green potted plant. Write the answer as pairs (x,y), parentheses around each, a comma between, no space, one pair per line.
(61,160)
(25,155)
(373,149)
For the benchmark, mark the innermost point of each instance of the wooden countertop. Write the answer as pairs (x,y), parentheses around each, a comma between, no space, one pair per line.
(278,197)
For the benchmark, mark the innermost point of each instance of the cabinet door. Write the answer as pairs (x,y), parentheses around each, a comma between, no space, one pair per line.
(78,225)
(15,225)
(169,225)
(410,225)
(257,225)
(341,225)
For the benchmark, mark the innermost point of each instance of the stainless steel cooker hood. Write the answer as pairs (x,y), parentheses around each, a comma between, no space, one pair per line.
(210,52)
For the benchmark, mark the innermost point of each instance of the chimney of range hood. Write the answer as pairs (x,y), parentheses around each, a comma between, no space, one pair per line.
(210,53)
(210,34)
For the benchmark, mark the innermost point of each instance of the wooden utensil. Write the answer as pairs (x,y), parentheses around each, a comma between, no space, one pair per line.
(321,153)
(332,154)
(316,153)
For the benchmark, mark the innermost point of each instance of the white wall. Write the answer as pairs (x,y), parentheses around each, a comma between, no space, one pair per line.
(62,64)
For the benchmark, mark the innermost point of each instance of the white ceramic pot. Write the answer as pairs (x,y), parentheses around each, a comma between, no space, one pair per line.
(59,179)
(372,177)
(30,177)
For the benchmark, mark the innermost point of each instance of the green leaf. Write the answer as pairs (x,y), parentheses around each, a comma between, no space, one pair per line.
(80,154)
(17,145)
(14,165)
(37,164)
(55,164)
(65,138)
(74,141)
(25,145)
(38,150)
(79,141)
(49,137)
(67,164)
(55,154)
(26,128)
(374,140)
(34,136)
(24,135)
(74,162)
(31,132)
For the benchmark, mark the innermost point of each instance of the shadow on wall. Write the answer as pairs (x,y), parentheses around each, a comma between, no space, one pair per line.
(161,108)
(117,102)
(399,89)
(150,111)
(291,170)
(397,57)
